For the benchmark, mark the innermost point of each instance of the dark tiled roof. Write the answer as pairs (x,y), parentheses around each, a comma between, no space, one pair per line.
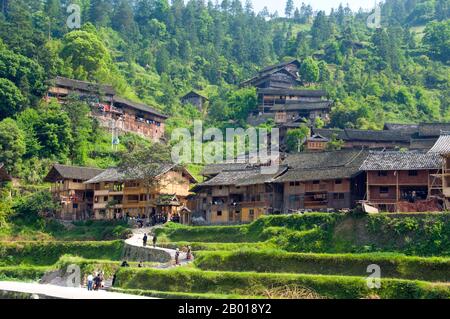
(83,85)
(243,177)
(280,65)
(303,106)
(323,165)
(292,92)
(433,129)
(194,93)
(384,161)
(4,176)
(59,172)
(365,135)
(442,146)
(422,144)
(139,106)
(410,128)
(115,175)
(300,175)
(214,169)
(264,75)
(324,160)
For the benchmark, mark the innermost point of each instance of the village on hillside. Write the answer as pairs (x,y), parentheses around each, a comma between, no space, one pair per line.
(403,168)
(224,158)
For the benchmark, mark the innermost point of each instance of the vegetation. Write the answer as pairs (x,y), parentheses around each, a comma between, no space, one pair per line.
(251,284)
(421,235)
(276,261)
(48,253)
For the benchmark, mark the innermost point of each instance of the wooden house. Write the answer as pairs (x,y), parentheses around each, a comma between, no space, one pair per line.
(281,75)
(323,180)
(401,181)
(68,188)
(111,111)
(316,143)
(371,139)
(237,193)
(442,147)
(117,194)
(196,99)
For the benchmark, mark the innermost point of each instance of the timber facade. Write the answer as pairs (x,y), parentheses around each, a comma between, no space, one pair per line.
(117,195)
(237,194)
(110,110)
(402,181)
(68,189)
(280,101)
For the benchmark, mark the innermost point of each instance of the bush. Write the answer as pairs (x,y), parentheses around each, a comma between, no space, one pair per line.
(48,253)
(251,284)
(392,265)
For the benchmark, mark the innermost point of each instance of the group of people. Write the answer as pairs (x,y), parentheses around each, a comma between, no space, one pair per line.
(188,255)
(145,239)
(95,282)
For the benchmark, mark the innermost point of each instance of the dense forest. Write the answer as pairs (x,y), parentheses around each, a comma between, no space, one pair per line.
(155,51)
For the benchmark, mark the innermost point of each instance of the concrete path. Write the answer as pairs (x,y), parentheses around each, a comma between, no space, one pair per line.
(62,292)
(137,241)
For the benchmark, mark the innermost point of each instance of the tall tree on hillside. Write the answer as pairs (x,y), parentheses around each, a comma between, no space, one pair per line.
(309,71)
(11,99)
(12,144)
(123,20)
(100,12)
(289,8)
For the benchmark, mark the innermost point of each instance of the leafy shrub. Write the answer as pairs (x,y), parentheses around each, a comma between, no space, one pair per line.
(251,284)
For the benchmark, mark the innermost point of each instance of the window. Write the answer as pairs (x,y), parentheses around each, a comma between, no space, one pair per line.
(413,173)
(252,213)
(219,213)
(338,196)
(382,173)
(316,182)
(291,184)
(384,190)
(75,206)
(338,181)
(297,183)
(105,198)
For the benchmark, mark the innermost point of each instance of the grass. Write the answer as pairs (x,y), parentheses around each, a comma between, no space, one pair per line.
(48,253)
(276,261)
(252,283)
(51,230)
(423,235)
(177,295)
(22,273)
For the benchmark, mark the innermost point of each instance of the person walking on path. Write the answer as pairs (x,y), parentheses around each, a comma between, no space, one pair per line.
(189,253)
(90,282)
(154,240)
(177,257)
(145,240)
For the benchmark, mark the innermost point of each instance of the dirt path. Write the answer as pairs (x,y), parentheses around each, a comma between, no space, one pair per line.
(42,291)
(137,241)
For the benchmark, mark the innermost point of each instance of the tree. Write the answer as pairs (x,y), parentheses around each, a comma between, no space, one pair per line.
(309,70)
(81,127)
(296,139)
(12,144)
(289,8)
(146,164)
(123,18)
(53,130)
(11,99)
(335,144)
(437,37)
(85,53)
